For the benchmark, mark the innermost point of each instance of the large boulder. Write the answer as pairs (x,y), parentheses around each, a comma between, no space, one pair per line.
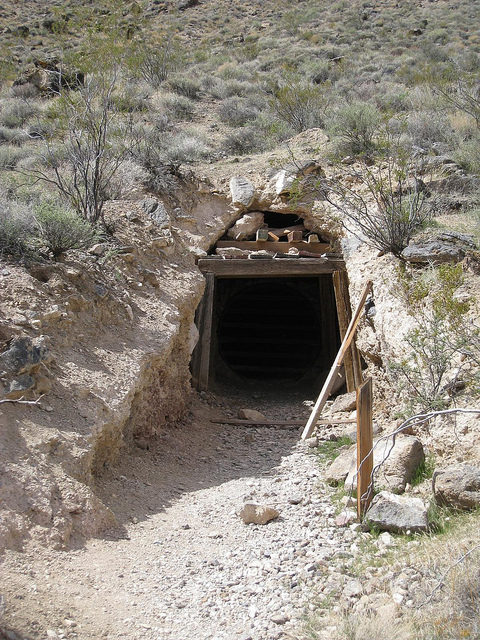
(399,514)
(457,486)
(345,402)
(247,226)
(242,191)
(398,462)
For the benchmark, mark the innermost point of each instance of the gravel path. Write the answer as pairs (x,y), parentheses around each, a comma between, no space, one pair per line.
(183,565)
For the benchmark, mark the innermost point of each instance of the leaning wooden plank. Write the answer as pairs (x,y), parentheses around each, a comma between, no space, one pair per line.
(205,338)
(327,387)
(364,447)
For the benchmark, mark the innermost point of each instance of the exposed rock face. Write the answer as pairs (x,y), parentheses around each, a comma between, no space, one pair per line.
(398,461)
(435,252)
(242,192)
(398,514)
(457,486)
(247,226)
(254,513)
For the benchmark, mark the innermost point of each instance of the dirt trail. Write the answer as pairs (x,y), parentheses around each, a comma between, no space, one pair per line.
(182,565)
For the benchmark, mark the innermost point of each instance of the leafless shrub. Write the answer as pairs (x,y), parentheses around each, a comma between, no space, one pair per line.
(388,211)
(92,147)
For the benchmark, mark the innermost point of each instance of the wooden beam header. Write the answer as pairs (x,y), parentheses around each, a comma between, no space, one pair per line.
(269,267)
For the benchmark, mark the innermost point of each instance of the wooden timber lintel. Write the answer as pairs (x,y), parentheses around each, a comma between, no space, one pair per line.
(269,268)
(271,245)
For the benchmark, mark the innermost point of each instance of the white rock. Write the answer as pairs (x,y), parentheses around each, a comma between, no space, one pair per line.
(242,191)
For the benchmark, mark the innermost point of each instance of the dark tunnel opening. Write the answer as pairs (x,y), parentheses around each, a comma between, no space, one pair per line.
(274,329)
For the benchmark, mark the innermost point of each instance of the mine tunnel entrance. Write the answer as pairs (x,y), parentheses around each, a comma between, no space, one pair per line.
(274,329)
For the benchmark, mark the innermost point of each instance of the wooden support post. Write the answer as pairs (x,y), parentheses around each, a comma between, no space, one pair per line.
(205,330)
(364,447)
(329,382)
(344,317)
(313,237)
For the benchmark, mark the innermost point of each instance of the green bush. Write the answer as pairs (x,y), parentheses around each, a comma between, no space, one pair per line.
(185,86)
(61,229)
(16,227)
(355,126)
(236,111)
(178,107)
(14,113)
(302,106)
(244,140)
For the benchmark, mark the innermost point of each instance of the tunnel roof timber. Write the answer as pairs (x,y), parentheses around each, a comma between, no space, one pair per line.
(270,267)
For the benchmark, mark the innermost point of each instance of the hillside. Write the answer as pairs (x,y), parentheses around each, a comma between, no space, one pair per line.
(186,188)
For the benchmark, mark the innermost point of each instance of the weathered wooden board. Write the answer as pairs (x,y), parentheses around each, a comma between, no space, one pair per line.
(274,268)
(205,331)
(364,447)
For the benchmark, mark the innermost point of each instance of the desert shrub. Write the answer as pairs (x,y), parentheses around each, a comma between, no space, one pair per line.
(131,99)
(301,106)
(12,136)
(388,209)
(457,615)
(244,140)
(10,156)
(178,107)
(155,62)
(16,227)
(467,155)
(187,146)
(14,113)
(185,86)
(355,126)
(236,111)
(89,146)
(429,128)
(60,229)
(440,341)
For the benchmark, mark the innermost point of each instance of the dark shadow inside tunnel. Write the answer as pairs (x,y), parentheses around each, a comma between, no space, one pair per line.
(274,330)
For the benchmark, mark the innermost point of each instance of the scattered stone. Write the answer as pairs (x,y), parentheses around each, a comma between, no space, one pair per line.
(251,414)
(398,514)
(254,513)
(247,226)
(457,486)
(242,191)
(295,499)
(345,402)
(97,250)
(345,518)
(280,619)
(353,589)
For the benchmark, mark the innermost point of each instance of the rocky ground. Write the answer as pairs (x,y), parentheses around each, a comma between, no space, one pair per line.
(183,564)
